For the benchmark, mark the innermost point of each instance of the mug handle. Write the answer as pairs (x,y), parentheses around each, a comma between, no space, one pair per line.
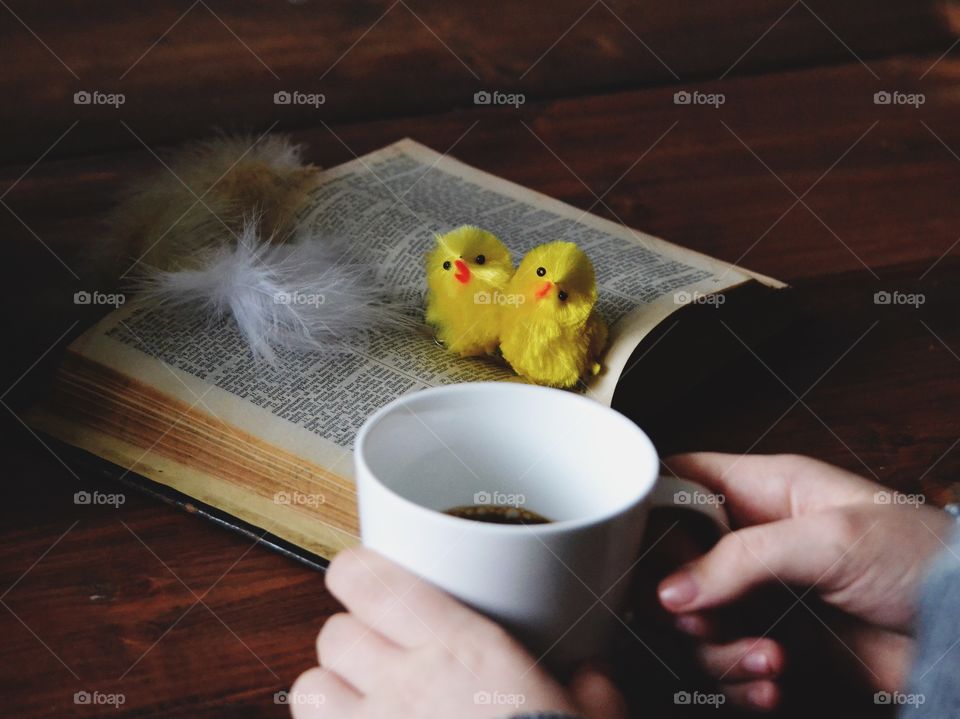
(677,493)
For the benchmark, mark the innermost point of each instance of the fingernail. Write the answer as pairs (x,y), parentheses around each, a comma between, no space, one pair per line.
(677,591)
(756,663)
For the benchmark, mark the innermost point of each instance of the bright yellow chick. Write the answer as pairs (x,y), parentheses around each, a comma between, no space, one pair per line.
(467,272)
(550,332)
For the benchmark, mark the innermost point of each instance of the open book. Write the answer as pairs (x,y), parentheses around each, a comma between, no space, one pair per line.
(181,405)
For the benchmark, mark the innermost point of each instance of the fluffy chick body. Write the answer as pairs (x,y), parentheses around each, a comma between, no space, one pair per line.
(467,271)
(551,333)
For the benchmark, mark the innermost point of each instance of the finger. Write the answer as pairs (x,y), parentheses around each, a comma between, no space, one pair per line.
(710,626)
(762,696)
(764,488)
(318,693)
(804,551)
(750,616)
(404,608)
(355,652)
(597,696)
(695,625)
(753,658)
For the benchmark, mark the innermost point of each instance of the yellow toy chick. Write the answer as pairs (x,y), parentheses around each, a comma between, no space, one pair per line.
(466,272)
(551,334)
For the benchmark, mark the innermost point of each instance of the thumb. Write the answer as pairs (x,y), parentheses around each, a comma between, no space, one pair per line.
(805,551)
(597,697)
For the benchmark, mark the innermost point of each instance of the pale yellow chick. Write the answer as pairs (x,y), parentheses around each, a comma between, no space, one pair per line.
(551,333)
(467,273)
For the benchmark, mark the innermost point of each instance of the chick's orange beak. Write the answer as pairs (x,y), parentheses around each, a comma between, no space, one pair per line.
(542,290)
(463,272)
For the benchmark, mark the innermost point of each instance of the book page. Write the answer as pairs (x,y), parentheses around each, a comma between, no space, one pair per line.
(411,192)
(391,203)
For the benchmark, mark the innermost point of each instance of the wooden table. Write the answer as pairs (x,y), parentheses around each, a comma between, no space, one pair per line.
(799,174)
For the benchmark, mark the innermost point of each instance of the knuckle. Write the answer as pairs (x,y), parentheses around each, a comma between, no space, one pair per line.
(792,464)
(478,642)
(343,569)
(354,575)
(331,635)
(744,556)
(482,633)
(843,528)
(738,547)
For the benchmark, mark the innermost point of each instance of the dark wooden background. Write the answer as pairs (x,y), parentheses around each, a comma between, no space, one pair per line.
(799,174)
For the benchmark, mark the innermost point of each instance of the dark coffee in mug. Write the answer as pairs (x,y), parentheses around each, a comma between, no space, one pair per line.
(496,514)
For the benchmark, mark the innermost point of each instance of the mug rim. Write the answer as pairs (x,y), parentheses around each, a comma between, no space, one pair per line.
(645,446)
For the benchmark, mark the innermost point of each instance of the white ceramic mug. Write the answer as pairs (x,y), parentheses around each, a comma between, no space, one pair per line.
(584,466)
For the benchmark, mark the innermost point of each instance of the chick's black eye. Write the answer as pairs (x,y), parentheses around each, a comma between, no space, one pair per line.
(562,296)
(446,265)
(541,271)
(481,259)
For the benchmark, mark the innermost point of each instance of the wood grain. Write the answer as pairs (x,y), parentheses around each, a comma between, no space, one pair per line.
(185,66)
(89,606)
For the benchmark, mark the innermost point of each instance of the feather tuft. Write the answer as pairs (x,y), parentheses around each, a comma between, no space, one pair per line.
(208,188)
(301,295)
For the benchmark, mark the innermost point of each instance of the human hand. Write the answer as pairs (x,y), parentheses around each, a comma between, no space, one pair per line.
(803,523)
(406,649)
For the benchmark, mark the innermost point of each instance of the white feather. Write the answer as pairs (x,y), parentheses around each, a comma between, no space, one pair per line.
(305,295)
